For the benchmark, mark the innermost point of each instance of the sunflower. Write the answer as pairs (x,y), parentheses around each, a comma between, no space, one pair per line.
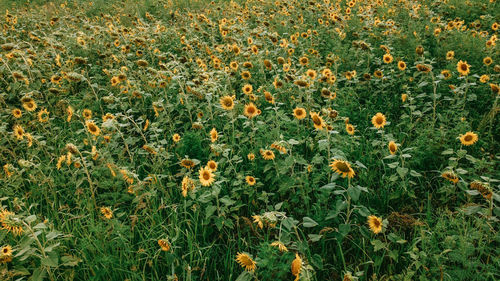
(401,65)
(246,261)
(87,114)
(267,154)
(164,245)
(450,55)
(6,254)
(378,120)
(446,74)
(92,128)
(404,97)
(107,212)
(43,115)
(187,163)
(487,61)
(484,78)
(378,73)
(343,168)
(482,188)
(393,147)
(227,102)
(311,74)
(107,117)
(247,89)
(250,156)
(463,68)
(468,138)
(214,135)
(250,180)
(29,104)
(350,129)
(387,58)
(317,120)
(212,165)
(206,176)
(186,185)
(280,246)
(251,110)
(495,88)
(18,132)
(296,267)
(449,175)
(375,224)
(11,222)
(70,112)
(176,137)
(299,113)
(17,113)
(304,61)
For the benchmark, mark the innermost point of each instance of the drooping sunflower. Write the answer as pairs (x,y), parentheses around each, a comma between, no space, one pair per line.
(267,154)
(463,68)
(378,120)
(482,188)
(251,156)
(70,112)
(164,245)
(343,168)
(107,212)
(246,261)
(227,102)
(250,180)
(449,175)
(212,165)
(11,222)
(495,88)
(92,128)
(375,224)
(393,147)
(468,138)
(299,113)
(296,266)
(206,176)
(186,185)
(187,163)
(251,110)
(318,122)
(404,97)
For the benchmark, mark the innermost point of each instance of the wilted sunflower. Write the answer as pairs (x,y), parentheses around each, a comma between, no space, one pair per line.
(164,245)
(246,261)
(296,266)
(212,165)
(378,120)
(482,188)
(206,176)
(299,113)
(495,88)
(186,185)
(463,68)
(267,154)
(11,222)
(280,246)
(449,175)
(251,156)
(250,180)
(251,110)
(468,138)
(393,147)
(227,102)
(343,168)
(92,128)
(375,224)
(107,212)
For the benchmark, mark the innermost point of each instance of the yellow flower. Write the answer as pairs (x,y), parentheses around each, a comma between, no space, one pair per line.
(401,65)
(6,254)
(246,261)
(187,184)
(267,154)
(29,104)
(463,68)
(18,132)
(393,147)
(43,115)
(164,245)
(375,224)
(449,175)
(350,129)
(92,128)
(317,121)
(176,137)
(214,135)
(468,138)
(250,180)
(106,212)
(206,176)
(212,165)
(10,222)
(296,266)
(227,102)
(280,246)
(299,113)
(378,120)
(387,58)
(343,168)
(16,112)
(251,110)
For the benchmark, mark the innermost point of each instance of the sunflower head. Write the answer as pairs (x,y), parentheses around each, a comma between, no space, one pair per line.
(250,180)
(164,245)
(299,113)
(227,102)
(375,224)
(463,68)
(343,168)
(393,147)
(212,165)
(206,176)
(246,261)
(468,138)
(378,120)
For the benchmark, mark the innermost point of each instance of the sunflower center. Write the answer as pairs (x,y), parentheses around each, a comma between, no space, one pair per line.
(468,138)
(343,167)
(206,176)
(379,120)
(463,67)
(228,102)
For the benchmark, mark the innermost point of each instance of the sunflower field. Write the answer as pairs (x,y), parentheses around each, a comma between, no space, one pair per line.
(301,140)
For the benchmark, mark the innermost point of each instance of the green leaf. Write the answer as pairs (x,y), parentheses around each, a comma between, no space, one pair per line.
(70,260)
(244,276)
(51,259)
(308,222)
(354,193)
(377,244)
(402,171)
